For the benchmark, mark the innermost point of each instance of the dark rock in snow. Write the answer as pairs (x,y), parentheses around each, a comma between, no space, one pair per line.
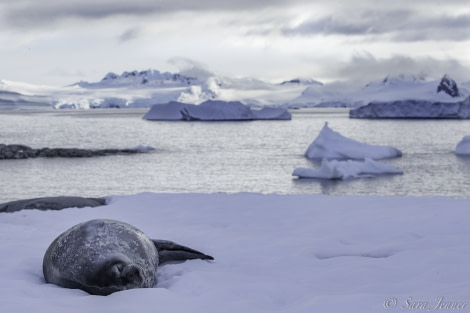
(449,86)
(51,203)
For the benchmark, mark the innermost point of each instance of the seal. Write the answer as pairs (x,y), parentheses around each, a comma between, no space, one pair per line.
(103,256)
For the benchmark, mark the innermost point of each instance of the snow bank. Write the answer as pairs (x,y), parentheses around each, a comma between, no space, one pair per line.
(335,169)
(463,147)
(212,110)
(414,109)
(332,145)
(273,253)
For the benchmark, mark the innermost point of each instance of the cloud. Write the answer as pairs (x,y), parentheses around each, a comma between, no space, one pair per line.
(130,34)
(29,13)
(363,68)
(401,25)
(365,22)
(191,68)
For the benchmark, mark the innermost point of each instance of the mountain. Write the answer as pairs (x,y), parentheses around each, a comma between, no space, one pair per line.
(142,89)
(147,78)
(449,86)
(391,88)
(302,81)
(149,87)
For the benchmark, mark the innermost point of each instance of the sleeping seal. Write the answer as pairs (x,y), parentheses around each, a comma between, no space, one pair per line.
(104,256)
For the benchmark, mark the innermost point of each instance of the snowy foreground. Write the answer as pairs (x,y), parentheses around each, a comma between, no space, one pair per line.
(273,253)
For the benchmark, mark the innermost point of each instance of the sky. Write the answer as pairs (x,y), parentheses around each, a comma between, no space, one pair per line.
(59,42)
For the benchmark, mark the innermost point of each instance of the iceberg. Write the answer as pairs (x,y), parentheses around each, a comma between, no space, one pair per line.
(414,109)
(332,145)
(212,110)
(335,169)
(217,111)
(463,147)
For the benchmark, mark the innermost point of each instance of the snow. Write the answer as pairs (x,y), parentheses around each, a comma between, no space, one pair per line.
(332,145)
(273,253)
(463,146)
(142,89)
(392,88)
(212,110)
(414,109)
(348,169)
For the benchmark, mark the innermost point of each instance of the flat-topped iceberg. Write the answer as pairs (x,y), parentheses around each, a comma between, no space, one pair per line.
(463,147)
(414,109)
(212,110)
(332,145)
(348,169)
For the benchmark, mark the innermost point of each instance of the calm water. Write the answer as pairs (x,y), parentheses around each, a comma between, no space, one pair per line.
(229,157)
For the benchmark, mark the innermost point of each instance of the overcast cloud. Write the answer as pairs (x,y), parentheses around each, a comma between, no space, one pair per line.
(270,39)
(404,25)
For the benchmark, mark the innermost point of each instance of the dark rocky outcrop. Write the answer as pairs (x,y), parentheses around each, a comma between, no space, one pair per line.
(449,86)
(51,203)
(25,152)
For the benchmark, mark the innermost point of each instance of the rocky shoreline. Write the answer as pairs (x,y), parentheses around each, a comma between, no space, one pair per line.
(14,151)
(50,203)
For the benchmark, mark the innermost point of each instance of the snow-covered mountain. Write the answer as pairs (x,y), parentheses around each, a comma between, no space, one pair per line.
(142,89)
(147,78)
(391,88)
(138,89)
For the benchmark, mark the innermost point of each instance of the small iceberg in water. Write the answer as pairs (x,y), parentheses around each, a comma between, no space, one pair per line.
(213,111)
(332,145)
(463,147)
(335,169)
(345,158)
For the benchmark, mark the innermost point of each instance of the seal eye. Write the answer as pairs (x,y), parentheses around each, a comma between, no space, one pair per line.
(131,275)
(118,267)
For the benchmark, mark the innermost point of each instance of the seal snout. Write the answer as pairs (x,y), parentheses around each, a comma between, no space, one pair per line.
(131,274)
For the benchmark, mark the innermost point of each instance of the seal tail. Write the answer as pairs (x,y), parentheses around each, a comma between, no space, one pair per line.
(170,251)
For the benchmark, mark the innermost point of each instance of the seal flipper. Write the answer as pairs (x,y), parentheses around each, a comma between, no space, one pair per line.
(170,251)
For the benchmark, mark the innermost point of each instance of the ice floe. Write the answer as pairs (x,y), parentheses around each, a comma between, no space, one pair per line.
(347,169)
(330,144)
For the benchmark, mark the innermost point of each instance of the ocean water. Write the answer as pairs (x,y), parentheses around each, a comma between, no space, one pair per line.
(207,157)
